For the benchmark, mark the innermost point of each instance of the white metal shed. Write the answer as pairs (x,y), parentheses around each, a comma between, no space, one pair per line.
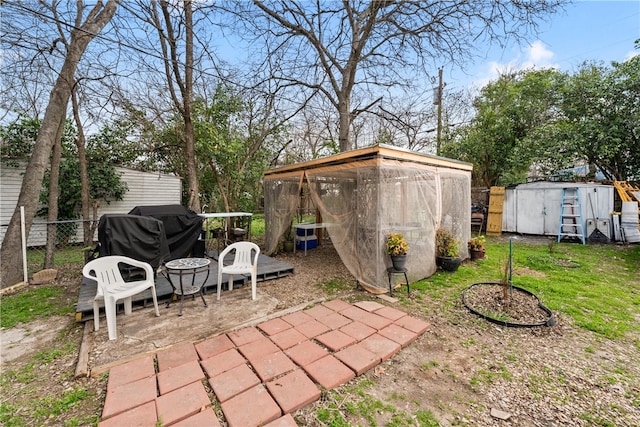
(535,208)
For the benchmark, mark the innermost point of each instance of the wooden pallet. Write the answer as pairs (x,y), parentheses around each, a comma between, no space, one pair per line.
(268,269)
(627,192)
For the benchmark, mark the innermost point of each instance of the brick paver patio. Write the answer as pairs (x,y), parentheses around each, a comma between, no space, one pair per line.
(259,375)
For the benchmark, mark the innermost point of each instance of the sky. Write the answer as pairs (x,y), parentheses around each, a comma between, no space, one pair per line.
(586,30)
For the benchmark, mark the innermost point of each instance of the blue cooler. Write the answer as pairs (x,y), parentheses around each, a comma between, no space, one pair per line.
(306,242)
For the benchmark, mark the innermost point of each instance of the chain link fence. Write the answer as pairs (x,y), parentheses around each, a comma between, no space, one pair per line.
(66,248)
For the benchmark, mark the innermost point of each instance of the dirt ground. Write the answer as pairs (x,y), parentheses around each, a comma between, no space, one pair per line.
(464,370)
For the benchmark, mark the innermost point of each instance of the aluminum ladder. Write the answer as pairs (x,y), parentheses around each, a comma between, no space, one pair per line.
(571,225)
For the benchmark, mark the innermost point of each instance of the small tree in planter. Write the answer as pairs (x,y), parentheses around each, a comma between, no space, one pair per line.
(447,248)
(397,248)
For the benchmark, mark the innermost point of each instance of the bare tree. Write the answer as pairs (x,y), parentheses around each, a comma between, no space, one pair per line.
(335,47)
(87,25)
(165,42)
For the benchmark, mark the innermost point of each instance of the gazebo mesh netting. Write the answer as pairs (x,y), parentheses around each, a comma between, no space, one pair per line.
(362,200)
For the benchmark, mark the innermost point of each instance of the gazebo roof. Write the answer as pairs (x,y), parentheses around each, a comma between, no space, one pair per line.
(381,151)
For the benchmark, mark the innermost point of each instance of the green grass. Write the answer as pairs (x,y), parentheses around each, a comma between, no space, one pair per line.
(598,286)
(36,302)
(257,225)
(335,286)
(46,407)
(67,255)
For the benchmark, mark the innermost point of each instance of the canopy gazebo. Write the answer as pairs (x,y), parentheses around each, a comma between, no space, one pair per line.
(362,195)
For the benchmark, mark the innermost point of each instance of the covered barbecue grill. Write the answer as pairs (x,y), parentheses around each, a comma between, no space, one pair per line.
(182,227)
(138,237)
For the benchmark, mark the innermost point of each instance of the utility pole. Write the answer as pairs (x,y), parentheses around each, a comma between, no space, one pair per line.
(439,102)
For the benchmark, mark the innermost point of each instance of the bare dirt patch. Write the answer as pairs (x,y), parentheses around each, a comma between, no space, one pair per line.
(460,370)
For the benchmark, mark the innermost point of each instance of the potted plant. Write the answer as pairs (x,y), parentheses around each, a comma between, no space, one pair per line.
(447,248)
(288,241)
(476,247)
(397,248)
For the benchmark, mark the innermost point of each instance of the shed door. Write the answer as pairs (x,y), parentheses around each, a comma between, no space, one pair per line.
(552,208)
(530,211)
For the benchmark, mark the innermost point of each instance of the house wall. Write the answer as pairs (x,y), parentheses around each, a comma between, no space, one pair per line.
(535,208)
(144,189)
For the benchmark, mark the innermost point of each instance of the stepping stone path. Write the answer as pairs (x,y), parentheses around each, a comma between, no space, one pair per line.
(260,374)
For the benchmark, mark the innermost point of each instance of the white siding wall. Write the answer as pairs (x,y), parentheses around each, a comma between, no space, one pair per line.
(144,189)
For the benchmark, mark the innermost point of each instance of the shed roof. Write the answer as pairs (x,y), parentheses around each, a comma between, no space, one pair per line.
(381,151)
(552,185)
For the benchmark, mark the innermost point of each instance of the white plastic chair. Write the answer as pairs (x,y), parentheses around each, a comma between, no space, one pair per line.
(243,263)
(112,287)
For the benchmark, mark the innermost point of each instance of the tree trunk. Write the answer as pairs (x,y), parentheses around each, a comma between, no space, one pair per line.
(87,232)
(187,97)
(52,203)
(344,124)
(56,109)
(192,170)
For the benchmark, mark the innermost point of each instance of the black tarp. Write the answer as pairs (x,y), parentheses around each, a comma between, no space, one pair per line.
(138,237)
(182,227)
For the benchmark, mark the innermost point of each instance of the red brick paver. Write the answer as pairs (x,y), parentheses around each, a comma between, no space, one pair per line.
(176,356)
(214,346)
(142,416)
(174,378)
(284,421)
(273,365)
(329,372)
(369,305)
(335,340)
(415,325)
(182,403)
(312,328)
(204,418)
(319,311)
(293,391)
(254,407)
(287,339)
(358,330)
(256,350)
(398,334)
(334,320)
(297,318)
(306,352)
(131,371)
(358,358)
(382,347)
(337,305)
(233,382)
(273,326)
(129,396)
(245,336)
(390,313)
(222,362)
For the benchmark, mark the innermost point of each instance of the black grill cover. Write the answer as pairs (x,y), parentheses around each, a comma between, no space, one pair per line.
(182,227)
(141,238)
